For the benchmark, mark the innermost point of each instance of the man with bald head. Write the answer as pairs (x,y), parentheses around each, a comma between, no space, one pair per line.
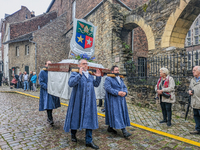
(47,102)
(82,109)
(194,91)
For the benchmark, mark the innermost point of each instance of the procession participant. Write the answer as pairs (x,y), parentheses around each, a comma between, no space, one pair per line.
(116,110)
(165,88)
(47,102)
(82,109)
(194,89)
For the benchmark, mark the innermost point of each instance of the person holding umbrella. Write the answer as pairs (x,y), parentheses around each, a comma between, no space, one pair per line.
(194,89)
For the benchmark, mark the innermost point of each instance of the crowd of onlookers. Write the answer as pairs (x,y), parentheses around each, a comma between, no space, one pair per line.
(24,81)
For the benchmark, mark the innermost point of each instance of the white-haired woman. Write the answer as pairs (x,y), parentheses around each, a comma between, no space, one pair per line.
(165,92)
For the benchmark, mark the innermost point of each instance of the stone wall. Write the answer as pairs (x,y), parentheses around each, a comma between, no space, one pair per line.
(144,96)
(30,25)
(22,60)
(107,20)
(51,42)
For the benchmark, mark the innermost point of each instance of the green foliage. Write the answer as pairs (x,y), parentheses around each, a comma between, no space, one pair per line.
(139,104)
(143,80)
(178,83)
(145,6)
(126,45)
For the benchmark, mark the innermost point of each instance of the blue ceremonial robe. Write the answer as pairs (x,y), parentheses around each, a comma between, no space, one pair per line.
(82,109)
(116,108)
(47,101)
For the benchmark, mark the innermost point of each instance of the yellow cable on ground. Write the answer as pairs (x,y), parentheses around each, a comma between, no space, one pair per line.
(136,125)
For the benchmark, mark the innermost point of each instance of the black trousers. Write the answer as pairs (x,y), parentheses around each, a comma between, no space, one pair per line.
(30,86)
(197,118)
(166,111)
(49,114)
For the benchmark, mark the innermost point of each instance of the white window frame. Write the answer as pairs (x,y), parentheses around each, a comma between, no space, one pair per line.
(189,64)
(73,10)
(17,51)
(27,50)
(188,41)
(196,40)
(197,22)
(196,31)
(189,33)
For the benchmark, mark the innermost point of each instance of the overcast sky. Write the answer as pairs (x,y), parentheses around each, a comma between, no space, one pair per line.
(11,6)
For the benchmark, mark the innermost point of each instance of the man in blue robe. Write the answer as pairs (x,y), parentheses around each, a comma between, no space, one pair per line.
(116,110)
(82,109)
(47,102)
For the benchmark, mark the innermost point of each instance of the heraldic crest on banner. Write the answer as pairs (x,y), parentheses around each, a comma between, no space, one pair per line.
(83,37)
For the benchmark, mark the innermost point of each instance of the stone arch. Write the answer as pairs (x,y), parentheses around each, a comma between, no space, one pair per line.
(133,21)
(179,23)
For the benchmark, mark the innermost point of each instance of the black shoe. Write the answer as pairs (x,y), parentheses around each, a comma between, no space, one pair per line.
(111,130)
(194,132)
(100,103)
(50,121)
(163,121)
(103,110)
(126,133)
(73,137)
(92,145)
(169,124)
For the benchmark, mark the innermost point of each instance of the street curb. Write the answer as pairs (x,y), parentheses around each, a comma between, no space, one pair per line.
(132,124)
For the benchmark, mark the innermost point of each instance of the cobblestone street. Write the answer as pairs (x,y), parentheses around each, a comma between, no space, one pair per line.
(22,126)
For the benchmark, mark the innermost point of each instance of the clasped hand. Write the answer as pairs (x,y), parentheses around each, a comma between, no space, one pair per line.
(98,72)
(160,92)
(121,93)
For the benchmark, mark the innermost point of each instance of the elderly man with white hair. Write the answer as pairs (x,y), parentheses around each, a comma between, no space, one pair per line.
(194,91)
(165,93)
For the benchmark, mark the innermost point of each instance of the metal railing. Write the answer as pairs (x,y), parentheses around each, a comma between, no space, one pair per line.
(146,70)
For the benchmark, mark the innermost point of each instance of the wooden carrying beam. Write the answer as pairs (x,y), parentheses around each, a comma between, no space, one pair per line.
(67,67)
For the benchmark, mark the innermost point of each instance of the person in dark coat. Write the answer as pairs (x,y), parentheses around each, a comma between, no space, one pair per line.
(116,110)
(17,78)
(1,75)
(47,102)
(30,82)
(82,109)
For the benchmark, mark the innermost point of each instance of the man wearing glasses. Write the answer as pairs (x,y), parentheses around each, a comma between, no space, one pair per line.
(82,110)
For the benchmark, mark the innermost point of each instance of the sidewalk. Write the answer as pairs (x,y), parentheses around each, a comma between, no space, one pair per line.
(145,117)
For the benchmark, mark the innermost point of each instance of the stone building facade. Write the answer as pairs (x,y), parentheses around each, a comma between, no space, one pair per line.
(192,40)
(51,42)
(18,16)
(90,11)
(22,50)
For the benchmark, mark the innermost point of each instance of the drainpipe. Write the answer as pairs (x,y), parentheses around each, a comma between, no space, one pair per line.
(35,57)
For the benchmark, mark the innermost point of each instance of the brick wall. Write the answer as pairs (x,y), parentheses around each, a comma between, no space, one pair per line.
(82,8)
(30,25)
(140,48)
(140,45)
(51,41)
(19,15)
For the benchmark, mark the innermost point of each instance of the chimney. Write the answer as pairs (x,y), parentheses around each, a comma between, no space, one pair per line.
(32,14)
